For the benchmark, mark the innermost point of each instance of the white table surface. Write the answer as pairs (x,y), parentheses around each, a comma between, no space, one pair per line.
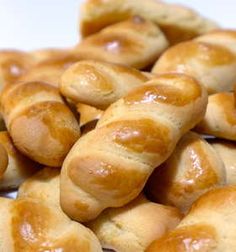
(32,24)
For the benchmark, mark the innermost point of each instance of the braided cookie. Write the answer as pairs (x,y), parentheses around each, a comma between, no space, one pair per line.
(213,65)
(227,152)
(209,226)
(192,169)
(133,227)
(177,22)
(41,125)
(50,70)
(13,64)
(110,165)
(49,53)
(220,117)
(126,229)
(225,38)
(29,225)
(18,167)
(42,186)
(98,83)
(135,42)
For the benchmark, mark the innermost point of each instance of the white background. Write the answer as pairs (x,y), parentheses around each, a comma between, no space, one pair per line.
(32,24)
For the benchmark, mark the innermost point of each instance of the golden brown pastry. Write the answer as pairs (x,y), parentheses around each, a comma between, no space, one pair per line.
(130,228)
(135,42)
(177,22)
(50,70)
(42,186)
(18,167)
(98,83)
(29,225)
(41,125)
(211,64)
(223,37)
(193,169)
(208,227)
(49,53)
(220,118)
(109,166)
(227,152)
(133,227)
(13,64)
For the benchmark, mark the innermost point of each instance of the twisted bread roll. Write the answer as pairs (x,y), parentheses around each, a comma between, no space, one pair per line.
(18,167)
(133,227)
(110,165)
(213,65)
(50,70)
(220,119)
(98,83)
(225,38)
(13,64)
(177,22)
(135,42)
(3,160)
(43,186)
(41,125)
(209,226)
(130,228)
(49,53)
(227,152)
(30,225)
(192,169)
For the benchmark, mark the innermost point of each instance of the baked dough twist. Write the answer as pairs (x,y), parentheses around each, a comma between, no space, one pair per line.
(209,226)
(223,37)
(18,167)
(49,53)
(98,83)
(50,70)
(134,227)
(177,22)
(212,64)
(227,152)
(135,42)
(109,166)
(41,125)
(193,169)
(126,229)
(30,225)
(220,117)
(13,64)
(42,186)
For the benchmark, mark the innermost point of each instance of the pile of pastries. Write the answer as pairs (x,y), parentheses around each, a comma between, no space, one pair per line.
(125,141)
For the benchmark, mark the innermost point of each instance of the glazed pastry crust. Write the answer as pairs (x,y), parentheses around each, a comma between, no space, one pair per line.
(177,22)
(17,167)
(135,42)
(133,227)
(41,125)
(98,83)
(109,166)
(220,119)
(193,169)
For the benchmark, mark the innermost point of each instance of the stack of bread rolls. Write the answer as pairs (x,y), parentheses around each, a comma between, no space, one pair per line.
(124,141)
